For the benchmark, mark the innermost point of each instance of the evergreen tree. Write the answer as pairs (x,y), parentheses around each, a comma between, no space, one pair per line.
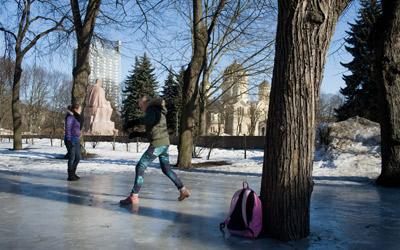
(146,77)
(361,89)
(141,81)
(172,94)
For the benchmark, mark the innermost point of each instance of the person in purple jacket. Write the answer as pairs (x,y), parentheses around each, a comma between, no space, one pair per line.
(72,140)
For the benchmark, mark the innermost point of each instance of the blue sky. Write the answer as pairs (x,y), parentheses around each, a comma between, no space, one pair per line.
(133,46)
(333,73)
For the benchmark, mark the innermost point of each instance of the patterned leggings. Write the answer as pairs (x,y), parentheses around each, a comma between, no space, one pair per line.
(150,155)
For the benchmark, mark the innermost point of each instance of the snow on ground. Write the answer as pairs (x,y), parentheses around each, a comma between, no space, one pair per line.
(362,161)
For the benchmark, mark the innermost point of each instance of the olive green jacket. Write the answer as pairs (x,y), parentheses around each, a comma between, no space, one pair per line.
(155,123)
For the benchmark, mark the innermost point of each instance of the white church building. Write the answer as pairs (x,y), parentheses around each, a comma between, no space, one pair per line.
(235,114)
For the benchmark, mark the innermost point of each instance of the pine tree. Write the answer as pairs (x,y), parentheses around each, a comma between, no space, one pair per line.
(361,89)
(146,77)
(141,81)
(172,96)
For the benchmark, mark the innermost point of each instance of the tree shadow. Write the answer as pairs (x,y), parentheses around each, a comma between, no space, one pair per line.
(212,171)
(356,179)
(26,153)
(43,175)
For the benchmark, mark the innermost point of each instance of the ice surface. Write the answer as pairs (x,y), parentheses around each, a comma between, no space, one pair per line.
(43,211)
(40,210)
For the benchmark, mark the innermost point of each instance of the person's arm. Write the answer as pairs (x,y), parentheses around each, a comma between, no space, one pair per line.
(148,119)
(136,134)
(68,128)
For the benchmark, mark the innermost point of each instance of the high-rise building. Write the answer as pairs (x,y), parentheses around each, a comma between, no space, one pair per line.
(105,64)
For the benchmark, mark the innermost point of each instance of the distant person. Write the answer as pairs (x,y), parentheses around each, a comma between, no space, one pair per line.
(72,139)
(157,134)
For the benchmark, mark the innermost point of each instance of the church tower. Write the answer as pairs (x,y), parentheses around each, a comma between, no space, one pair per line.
(263,91)
(235,86)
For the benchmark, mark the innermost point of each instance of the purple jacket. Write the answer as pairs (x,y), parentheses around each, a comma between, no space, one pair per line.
(72,127)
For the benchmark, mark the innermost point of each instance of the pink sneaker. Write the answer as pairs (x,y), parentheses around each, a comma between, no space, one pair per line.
(184,193)
(131,199)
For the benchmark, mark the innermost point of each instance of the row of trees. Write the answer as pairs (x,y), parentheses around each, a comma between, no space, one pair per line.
(49,25)
(45,94)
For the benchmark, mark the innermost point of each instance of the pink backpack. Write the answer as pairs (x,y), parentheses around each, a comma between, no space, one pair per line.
(245,214)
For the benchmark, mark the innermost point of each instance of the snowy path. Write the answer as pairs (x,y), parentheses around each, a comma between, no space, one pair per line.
(42,157)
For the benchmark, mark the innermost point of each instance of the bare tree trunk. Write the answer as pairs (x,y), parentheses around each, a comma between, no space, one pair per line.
(388,70)
(304,31)
(16,104)
(187,125)
(191,82)
(25,39)
(84,33)
(80,74)
(203,102)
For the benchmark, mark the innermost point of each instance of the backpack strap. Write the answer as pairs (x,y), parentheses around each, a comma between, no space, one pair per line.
(245,185)
(244,206)
(252,232)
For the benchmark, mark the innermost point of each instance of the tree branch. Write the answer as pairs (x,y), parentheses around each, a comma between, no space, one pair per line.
(76,12)
(34,40)
(8,32)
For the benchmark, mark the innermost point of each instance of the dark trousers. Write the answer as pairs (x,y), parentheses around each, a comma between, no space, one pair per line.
(74,156)
(68,146)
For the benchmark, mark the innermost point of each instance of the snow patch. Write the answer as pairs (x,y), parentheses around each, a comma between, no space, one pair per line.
(362,161)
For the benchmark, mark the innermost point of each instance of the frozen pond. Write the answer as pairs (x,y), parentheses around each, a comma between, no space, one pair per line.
(43,211)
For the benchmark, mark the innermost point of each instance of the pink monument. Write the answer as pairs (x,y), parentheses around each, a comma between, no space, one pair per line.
(97,113)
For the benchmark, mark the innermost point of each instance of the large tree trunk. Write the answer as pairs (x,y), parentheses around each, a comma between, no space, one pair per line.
(304,31)
(16,104)
(84,33)
(81,74)
(201,38)
(388,69)
(190,88)
(25,20)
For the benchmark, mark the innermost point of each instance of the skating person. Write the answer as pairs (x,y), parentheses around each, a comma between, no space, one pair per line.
(72,140)
(157,134)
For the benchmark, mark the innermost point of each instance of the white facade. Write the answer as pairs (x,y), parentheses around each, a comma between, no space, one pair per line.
(235,114)
(105,65)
